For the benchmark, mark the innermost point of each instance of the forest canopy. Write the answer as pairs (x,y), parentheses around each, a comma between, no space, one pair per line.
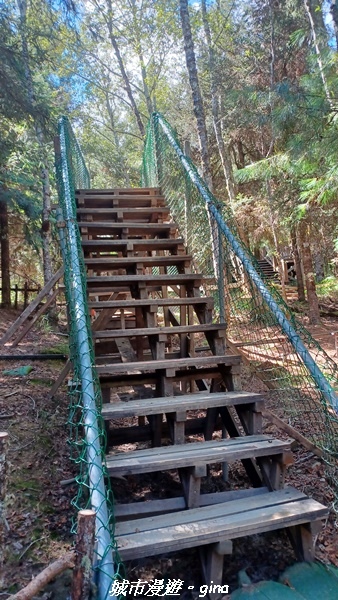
(251,85)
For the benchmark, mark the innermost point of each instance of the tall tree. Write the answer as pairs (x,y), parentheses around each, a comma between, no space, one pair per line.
(14,106)
(196,92)
(310,283)
(334,14)
(113,40)
(223,149)
(4,248)
(298,266)
(38,126)
(140,54)
(309,12)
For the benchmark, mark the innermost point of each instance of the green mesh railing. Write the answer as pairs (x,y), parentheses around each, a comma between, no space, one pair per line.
(301,378)
(87,439)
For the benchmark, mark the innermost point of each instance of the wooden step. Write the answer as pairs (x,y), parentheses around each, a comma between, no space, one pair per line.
(137,510)
(147,331)
(189,279)
(171,364)
(111,262)
(132,245)
(106,228)
(135,191)
(117,437)
(139,213)
(151,377)
(199,401)
(121,202)
(147,303)
(102,200)
(166,458)
(211,524)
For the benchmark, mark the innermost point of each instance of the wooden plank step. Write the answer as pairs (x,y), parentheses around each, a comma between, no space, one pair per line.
(147,331)
(189,279)
(179,456)
(128,380)
(139,212)
(109,198)
(112,262)
(149,508)
(205,525)
(172,364)
(132,245)
(108,201)
(135,227)
(131,379)
(144,191)
(135,303)
(156,406)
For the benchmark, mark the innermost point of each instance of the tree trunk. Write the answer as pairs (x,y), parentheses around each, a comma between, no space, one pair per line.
(310,16)
(4,246)
(123,72)
(241,156)
(276,240)
(222,148)
(122,166)
(46,203)
(201,128)
(334,14)
(318,261)
(139,52)
(298,266)
(46,210)
(304,234)
(195,92)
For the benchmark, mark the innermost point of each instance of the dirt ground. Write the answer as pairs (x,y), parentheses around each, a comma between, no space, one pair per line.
(39,512)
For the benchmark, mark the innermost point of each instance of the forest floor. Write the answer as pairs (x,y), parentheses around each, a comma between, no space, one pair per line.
(39,514)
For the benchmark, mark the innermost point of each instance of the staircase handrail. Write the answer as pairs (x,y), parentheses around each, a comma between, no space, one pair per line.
(69,177)
(211,203)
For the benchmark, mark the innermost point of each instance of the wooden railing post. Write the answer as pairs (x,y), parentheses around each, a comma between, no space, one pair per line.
(84,549)
(25,296)
(16,291)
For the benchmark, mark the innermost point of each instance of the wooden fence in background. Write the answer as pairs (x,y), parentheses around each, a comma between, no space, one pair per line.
(24,291)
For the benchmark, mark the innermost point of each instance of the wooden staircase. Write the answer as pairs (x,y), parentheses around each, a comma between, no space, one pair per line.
(267,270)
(171,391)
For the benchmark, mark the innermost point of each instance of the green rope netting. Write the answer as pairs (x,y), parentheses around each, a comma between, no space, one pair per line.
(87,434)
(253,323)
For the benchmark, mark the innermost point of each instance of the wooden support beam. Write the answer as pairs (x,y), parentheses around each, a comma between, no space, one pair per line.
(233,430)
(60,379)
(303,538)
(191,483)
(212,558)
(36,317)
(269,416)
(33,305)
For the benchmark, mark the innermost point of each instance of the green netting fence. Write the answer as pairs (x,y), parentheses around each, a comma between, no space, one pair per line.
(87,438)
(300,377)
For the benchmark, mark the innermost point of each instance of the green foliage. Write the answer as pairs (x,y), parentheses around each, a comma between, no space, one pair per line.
(328,288)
